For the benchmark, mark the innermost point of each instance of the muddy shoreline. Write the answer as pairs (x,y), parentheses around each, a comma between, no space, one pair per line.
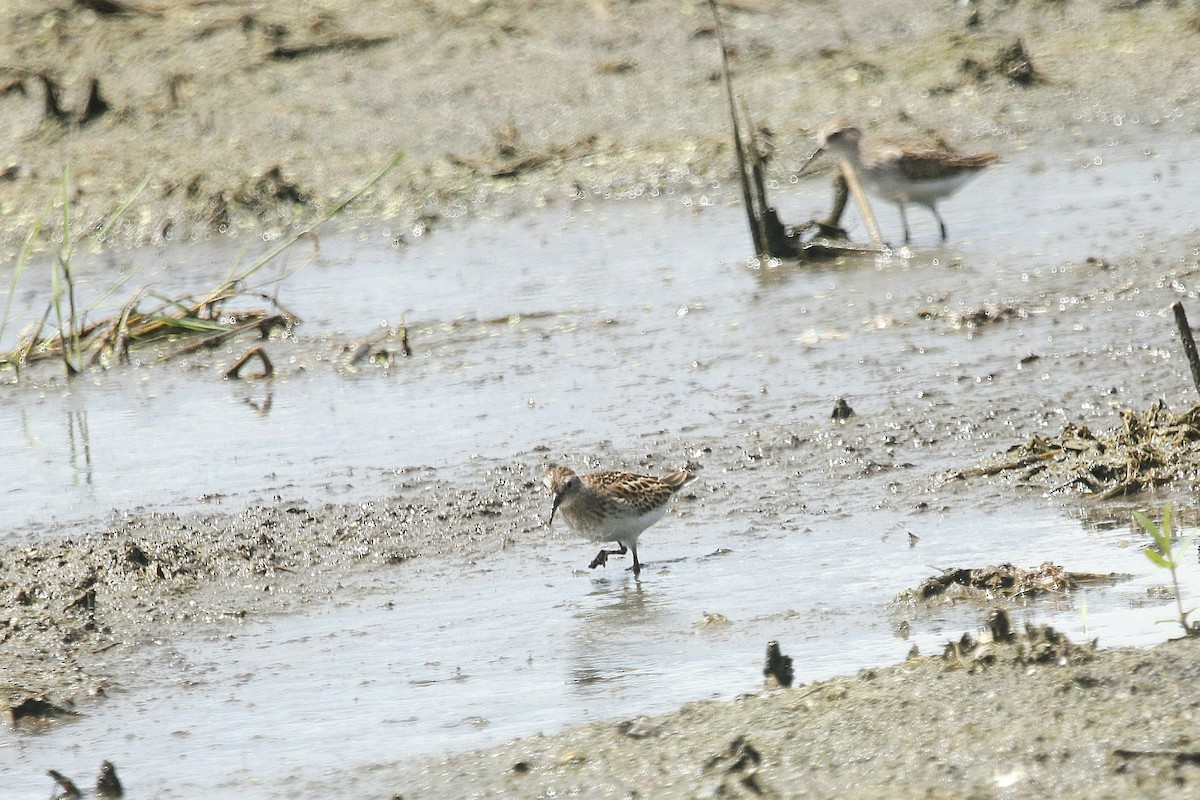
(269,118)
(272,117)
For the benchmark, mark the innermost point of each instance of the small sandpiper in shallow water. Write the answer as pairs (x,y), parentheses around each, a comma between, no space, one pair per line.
(612,506)
(902,172)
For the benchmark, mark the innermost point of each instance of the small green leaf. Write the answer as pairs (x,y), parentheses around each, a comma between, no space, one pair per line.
(1166,523)
(1159,559)
(1186,545)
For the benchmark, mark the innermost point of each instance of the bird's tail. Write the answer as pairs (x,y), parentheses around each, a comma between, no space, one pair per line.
(679,479)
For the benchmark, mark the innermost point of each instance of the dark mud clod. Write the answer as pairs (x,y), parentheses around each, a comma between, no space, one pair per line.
(1013,62)
(360,354)
(741,761)
(95,106)
(108,784)
(38,708)
(1000,625)
(109,7)
(68,787)
(269,187)
(136,556)
(841,410)
(52,107)
(778,670)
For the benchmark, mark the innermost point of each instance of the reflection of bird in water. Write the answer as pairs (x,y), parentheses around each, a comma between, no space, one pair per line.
(612,506)
(905,172)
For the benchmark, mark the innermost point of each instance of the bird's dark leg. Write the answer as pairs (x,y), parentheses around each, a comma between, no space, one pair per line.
(832,226)
(904,221)
(941,224)
(637,567)
(601,558)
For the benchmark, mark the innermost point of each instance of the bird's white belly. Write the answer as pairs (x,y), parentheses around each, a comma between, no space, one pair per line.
(624,529)
(891,186)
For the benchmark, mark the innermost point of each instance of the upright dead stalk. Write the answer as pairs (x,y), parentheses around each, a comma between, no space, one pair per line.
(1189,344)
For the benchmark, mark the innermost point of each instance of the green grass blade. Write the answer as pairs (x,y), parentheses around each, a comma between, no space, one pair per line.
(22,262)
(190,324)
(1159,559)
(328,215)
(116,215)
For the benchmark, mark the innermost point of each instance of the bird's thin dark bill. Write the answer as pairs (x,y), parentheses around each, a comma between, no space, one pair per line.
(811,159)
(554,508)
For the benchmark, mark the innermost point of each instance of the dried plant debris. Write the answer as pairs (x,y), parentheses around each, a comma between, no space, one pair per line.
(510,155)
(38,709)
(176,327)
(974,320)
(1038,644)
(1004,581)
(1151,449)
(108,785)
(1009,61)
(736,770)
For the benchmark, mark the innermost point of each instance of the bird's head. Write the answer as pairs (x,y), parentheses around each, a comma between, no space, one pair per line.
(839,137)
(560,482)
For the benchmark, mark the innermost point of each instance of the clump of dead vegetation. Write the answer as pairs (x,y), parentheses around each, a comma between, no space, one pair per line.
(1004,582)
(174,326)
(511,155)
(1037,644)
(1148,449)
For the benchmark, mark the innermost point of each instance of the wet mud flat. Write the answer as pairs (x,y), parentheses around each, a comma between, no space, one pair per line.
(1120,721)
(87,603)
(1033,717)
(252,119)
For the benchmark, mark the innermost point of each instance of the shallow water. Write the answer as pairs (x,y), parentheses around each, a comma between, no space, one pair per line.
(608,309)
(641,296)
(431,663)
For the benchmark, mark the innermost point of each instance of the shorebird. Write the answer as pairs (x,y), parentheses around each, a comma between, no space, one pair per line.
(902,172)
(612,506)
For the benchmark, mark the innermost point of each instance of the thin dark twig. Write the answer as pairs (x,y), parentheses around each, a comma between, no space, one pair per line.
(1189,344)
(754,215)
